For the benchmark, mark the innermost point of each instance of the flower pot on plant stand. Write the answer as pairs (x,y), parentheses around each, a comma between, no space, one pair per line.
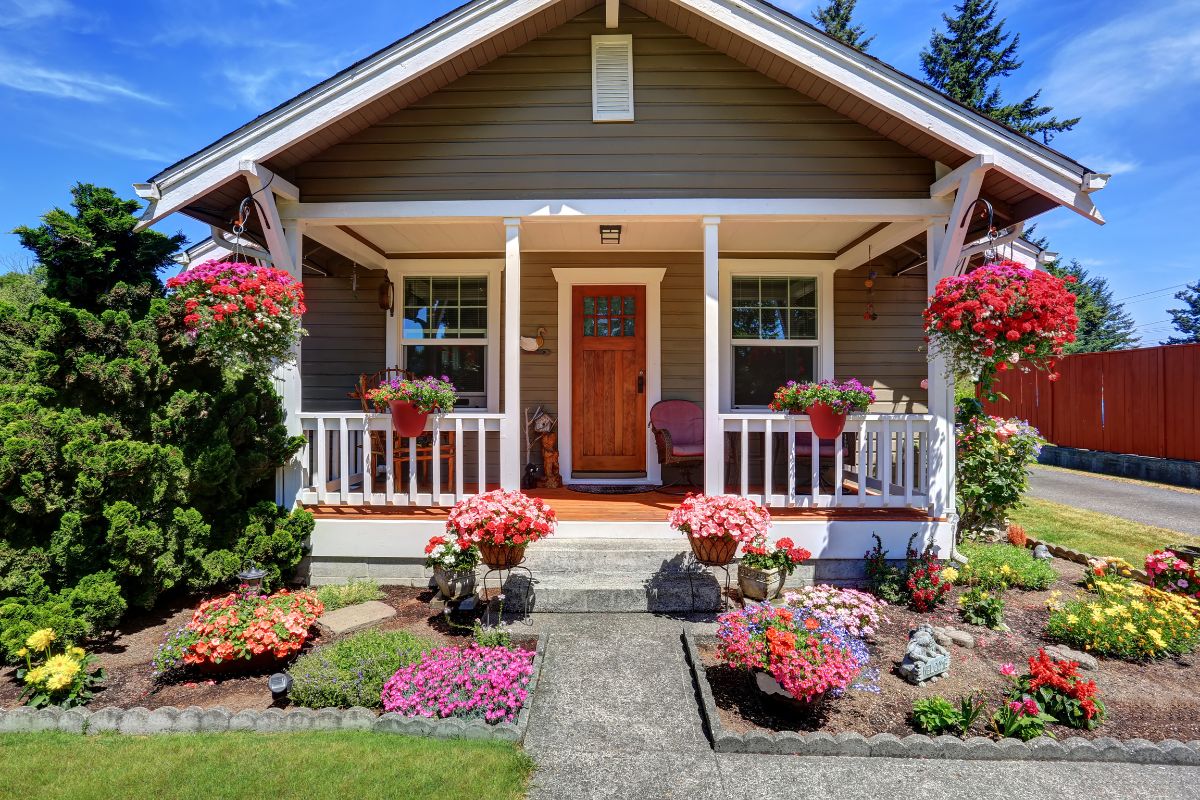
(502,556)
(714,551)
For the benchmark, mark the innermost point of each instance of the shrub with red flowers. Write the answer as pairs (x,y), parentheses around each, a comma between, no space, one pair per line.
(475,682)
(991,471)
(1171,573)
(927,589)
(1058,689)
(241,625)
(247,314)
(785,556)
(501,517)
(988,320)
(700,516)
(453,554)
(810,658)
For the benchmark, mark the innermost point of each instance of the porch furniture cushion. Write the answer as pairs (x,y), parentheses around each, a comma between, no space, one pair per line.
(688,449)
(684,422)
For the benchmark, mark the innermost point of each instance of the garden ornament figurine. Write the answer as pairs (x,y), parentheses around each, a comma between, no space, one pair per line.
(924,660)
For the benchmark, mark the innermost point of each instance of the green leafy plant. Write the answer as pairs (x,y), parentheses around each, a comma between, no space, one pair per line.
(884,579)
(1126,620)
(65,679)
(1022,720)
(352,671)
(339,595)
(936,715)
(981,607)
(1003,566)
(93,605)
(784,556)
(992,468)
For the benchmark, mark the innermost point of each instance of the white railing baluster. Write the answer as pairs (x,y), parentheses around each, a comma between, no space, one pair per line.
(885,456)
(768,464)
(436,459)
(791,461)
(908,462)
(861,458)
(343,460)
(481,477)
(412,470)
(839,444)
(458,459)
(815,462)
(745,459)
(389,449)
(368,466)
(321,480)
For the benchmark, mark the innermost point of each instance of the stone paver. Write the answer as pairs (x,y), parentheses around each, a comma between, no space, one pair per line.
(1161,506)
(615,716)
(352,618)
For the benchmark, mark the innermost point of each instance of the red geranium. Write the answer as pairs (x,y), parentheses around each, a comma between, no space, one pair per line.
(997,315)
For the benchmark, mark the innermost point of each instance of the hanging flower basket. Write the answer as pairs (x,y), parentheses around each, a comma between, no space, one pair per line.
(826,422)
(994,317)
(247,314)
(406,419)
(411,401)
(827,403)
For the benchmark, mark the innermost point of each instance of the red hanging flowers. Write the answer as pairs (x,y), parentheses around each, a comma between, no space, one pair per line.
(988,320)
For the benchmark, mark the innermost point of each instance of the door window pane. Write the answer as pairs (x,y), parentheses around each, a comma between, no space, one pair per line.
(759,370)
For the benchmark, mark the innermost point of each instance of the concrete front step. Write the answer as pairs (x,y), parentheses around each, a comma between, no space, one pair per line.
(588,556)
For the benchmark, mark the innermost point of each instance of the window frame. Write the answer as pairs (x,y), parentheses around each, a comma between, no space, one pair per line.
(489,269)
(822,343)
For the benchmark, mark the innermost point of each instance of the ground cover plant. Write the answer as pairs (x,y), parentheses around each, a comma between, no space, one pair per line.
(920,583)
(937,716)
(339,595)
(858,612)
(1126,620)
(236,766)
(473,682)
(982,607)
(134,457)
(1004,566)
(352,671)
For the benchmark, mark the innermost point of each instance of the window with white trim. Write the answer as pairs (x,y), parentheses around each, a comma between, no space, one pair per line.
(774,335)
(444,331)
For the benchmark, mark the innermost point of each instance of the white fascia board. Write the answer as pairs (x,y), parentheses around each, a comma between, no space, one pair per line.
(812,209)
(328,102)
(1040,169)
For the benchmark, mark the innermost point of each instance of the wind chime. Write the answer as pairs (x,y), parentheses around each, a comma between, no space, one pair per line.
(870,315)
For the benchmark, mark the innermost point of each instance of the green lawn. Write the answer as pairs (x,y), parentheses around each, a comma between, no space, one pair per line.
(1092,533)
(241,766)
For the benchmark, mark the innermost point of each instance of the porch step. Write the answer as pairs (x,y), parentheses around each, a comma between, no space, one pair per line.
(614,576)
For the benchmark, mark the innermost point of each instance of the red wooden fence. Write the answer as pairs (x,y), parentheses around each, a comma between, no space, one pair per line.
(1145,402)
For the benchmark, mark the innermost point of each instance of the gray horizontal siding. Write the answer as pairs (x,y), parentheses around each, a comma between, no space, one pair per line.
(346,337)
(521,126)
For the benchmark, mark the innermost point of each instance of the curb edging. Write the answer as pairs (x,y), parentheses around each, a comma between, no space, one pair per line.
(139,721)
(917,745)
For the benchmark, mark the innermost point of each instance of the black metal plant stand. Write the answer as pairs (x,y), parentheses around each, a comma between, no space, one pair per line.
(693,574)
(503,577)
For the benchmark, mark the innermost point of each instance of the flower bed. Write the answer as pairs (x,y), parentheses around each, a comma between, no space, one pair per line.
(475,682)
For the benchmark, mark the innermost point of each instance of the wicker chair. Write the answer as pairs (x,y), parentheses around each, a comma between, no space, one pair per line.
(678,428)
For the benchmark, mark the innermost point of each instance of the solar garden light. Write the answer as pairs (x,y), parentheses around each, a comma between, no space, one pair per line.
(252,577)
(279,684)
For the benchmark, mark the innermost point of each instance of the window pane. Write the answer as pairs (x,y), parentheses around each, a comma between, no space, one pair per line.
(473,291)
(589,326)
(758,371)
(416,291)
(774,293)
(614,327)
(472,322)
(803,293)
(416,322)
(465,365)
(602,305)
(630,327)
(745,323)
(602,326)
(803,324)
(630,306)
(445,324)
(432,307)
(589,306)
(745,292)
(773,324)
(445,291)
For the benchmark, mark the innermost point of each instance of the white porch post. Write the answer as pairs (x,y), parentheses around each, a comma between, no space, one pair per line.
(510,426)
(287,379)
(941,407)
(714,439)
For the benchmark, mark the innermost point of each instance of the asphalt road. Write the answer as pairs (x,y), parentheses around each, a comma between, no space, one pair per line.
(1162,507)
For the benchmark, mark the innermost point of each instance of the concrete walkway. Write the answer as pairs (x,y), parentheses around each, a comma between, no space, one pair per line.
(1162,507)
(615,716)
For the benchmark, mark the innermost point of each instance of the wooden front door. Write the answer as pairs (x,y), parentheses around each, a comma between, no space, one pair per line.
(608,379)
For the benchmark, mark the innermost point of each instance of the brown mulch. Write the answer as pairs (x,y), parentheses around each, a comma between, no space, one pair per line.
(1155,701)
(127,659)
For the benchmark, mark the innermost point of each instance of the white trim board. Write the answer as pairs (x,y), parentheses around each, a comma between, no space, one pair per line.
(568,278)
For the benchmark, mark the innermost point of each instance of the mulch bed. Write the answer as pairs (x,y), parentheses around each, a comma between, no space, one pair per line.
(1154,701)
(127,659)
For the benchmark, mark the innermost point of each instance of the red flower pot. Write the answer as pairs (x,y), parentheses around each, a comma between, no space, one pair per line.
(406,419)
(826,423)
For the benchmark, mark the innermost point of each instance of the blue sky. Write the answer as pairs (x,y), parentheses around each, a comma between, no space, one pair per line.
(110,92)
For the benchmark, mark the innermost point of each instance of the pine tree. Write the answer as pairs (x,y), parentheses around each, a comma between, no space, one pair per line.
(973,54)
(1103,322)
(1187,319)
(837,19)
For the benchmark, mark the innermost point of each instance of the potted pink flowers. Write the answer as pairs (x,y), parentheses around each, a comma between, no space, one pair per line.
(763,570)
(411,401)
(453,561)
(502,524)
(827,403)
(716,524)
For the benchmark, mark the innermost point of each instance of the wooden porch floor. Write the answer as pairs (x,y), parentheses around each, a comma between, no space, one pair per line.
(575,506)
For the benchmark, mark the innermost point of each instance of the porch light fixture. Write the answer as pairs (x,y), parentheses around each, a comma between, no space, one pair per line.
(610,234)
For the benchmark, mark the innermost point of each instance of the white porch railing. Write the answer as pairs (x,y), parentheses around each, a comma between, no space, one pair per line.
(345,465)
(883,457)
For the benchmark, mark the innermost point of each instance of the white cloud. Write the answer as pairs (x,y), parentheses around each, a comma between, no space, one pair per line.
(20,13)
(131,150)
(1148,51)
(28,76)
(1113,165)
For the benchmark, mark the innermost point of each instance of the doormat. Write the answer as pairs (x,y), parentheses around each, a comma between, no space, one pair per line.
(608,488)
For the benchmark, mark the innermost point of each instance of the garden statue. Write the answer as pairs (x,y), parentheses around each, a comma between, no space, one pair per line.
(553,479)
(924,659)
(1042,552)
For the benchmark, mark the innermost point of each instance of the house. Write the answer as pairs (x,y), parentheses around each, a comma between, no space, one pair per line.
(697,199)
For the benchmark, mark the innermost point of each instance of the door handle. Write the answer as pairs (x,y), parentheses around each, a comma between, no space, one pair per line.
(641,382)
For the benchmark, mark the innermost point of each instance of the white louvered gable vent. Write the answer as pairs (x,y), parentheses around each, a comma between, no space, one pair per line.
(612,78)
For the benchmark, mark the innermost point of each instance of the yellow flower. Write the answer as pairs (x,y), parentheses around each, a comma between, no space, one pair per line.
(1005,568)
(58,682)
(1156,637)
(1129,626)
(24,651)
(77,653)
(36,675)
(1138,605)
(1072,619)
(950,574)
(40,640)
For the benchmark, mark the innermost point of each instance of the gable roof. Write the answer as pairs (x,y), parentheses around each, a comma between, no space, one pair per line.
(1028,177)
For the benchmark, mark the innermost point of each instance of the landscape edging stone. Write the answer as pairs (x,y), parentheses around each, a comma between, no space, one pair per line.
(885,745)
(141,721)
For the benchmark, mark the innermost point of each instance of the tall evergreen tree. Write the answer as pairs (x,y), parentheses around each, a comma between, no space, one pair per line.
(968,60)
(1186,319)
(1103,322)
(836,18)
